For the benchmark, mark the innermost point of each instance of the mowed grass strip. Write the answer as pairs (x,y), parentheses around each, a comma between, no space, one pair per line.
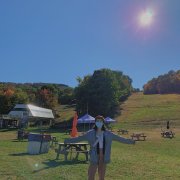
(144,108)
(66,112)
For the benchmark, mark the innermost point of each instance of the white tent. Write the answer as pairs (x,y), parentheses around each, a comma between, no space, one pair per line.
(109,120)
(28,110)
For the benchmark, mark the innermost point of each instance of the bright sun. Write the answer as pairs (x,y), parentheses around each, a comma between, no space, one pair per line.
(146,18)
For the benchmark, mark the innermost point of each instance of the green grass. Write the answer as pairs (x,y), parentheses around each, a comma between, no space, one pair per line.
(66,112)
(150,109)
(156,158)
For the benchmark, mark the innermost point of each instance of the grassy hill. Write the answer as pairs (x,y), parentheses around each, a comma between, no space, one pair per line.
(65,112)
(150,109)
(140,109)
(155,158)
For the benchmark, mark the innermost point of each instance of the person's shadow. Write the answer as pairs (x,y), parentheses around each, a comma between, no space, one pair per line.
(19,154)
(54,163)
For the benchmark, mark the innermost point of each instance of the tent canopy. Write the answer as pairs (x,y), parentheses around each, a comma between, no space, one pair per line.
(28,110)
(86,119)
(109,120)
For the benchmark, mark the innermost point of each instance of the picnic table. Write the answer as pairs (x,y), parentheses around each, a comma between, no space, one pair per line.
(22,134)
(122,131)
(110,129)
(53,140)
(68,131)
(77,148)
(167,134)
(138,136)
(43,131)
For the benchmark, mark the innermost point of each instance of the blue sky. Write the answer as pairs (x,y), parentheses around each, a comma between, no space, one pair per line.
(57,41)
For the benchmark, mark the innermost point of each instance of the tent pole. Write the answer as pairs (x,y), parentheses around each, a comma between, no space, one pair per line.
(87,107)
(84,127)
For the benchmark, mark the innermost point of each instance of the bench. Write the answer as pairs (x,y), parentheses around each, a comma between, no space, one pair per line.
(138,137)
(167,134)
(53,140)
(122,131)
(21,134)
(85,152)
(71,148)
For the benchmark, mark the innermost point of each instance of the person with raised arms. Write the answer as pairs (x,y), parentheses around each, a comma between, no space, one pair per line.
(100,140)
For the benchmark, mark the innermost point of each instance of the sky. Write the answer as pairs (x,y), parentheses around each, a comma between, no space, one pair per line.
(58,41)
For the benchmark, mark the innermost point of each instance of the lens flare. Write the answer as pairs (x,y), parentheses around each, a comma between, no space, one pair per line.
(146,18)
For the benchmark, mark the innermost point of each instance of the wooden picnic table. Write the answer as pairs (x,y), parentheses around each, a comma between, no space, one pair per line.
(22,134)
(43,131)
(122,131)
(53,140)
(138,136)
(167,134)
(66,148)
(68,131)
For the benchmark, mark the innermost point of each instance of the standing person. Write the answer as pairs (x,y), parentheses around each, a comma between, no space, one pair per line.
(167,126)
(100,141)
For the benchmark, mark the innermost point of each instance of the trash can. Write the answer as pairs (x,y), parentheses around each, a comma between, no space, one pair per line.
(38,143)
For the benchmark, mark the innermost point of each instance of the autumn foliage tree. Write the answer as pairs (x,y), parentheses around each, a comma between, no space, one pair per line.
(164,84)
(46,98)
(46,95)
(10,97)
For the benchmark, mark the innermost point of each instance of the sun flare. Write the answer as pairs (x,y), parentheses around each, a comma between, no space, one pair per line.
(146,18)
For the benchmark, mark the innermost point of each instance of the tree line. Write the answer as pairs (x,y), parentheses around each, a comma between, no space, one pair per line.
(99,93)
(40,94)
(164,84)
(102,92)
